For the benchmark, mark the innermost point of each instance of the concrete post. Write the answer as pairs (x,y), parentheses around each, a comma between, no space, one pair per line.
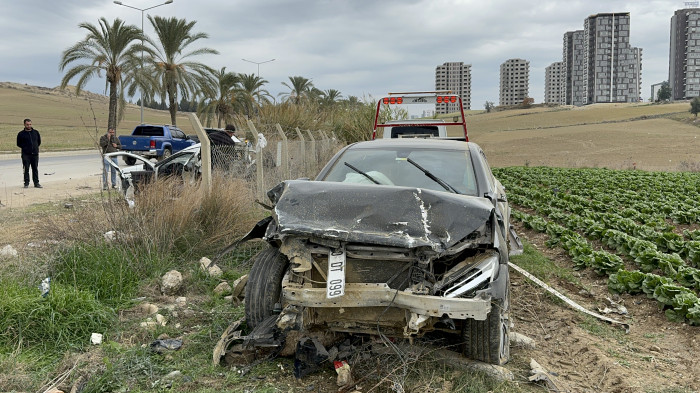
(285,152)
(205,151)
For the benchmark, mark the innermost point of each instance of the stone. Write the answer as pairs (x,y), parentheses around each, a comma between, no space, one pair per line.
(204,263)
(519,340)
(222,289)
(148,308)
(161,320)
(171,282)
(215,271)
(96,338)
(181,301)
(9,252)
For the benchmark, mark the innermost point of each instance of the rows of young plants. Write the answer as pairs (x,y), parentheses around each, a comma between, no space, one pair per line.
(601,205)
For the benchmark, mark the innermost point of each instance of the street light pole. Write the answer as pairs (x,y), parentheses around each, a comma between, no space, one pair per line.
(142,11)
(258,63)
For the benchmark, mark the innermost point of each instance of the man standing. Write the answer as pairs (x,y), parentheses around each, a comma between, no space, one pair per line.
(109,144)
(29,141)
(231,131)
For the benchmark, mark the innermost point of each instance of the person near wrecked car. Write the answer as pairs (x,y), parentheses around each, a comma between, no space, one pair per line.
(29,141)
(109,143)
(231,131)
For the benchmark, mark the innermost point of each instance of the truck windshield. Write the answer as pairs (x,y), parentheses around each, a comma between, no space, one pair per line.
(391,167)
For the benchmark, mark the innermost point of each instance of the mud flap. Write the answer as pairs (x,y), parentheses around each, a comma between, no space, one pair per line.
(515,246)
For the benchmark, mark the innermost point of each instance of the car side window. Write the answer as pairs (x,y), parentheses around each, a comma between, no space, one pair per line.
(177,133)
(487,168)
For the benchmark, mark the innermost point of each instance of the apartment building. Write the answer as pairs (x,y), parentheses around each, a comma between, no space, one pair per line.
(554,82)
(612,66)
(684,56)
(514,82)
(457,78)
(574,60)
(600,65)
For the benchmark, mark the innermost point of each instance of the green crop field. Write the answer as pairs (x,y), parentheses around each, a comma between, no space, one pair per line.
(639,228)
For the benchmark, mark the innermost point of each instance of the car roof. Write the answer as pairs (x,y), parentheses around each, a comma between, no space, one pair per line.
(417,143)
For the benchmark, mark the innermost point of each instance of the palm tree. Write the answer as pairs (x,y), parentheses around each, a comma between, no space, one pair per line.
(171,65)
(110,49)
(222,105)
(330,96)
(299,88)
(251,96)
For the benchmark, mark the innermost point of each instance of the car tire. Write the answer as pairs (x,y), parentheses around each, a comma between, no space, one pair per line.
(129,161)
(264,287)
(488,340)
(166,153)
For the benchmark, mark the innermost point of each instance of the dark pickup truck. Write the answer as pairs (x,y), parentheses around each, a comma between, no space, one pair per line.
(154,141)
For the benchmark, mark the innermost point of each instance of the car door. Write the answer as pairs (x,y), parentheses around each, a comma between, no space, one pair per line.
(180,140)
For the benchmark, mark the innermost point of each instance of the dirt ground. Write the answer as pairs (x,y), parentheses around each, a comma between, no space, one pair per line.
(655,356)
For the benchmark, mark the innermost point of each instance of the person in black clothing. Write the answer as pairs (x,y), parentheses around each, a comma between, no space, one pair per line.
(29,141)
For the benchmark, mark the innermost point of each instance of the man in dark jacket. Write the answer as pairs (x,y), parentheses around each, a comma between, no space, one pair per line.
(109,143)
(29,141)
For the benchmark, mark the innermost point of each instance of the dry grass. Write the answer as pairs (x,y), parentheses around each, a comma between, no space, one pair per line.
(169,217)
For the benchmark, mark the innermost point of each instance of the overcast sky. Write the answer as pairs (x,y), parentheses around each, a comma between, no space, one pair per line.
(359,47)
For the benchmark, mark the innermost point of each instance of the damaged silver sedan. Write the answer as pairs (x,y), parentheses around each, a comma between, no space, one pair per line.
(395,237)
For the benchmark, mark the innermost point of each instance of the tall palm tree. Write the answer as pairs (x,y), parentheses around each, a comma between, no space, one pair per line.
(222,105)
(110,49)
(251,96)
(299,88)
(171,65)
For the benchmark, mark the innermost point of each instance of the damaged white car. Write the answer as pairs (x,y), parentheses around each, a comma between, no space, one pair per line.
(398,237)
(185,163)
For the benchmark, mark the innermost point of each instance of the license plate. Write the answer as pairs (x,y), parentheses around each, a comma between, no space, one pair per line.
(335,284)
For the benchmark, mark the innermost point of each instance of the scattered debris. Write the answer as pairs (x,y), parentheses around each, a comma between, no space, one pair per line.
(170,344)
(68,205)
(344,375)
(539,373)
(96,338)
(568,301)
(519,340)
(110,236)
(8,251)
(171,282)
(45,286)
(310,355)
(613,307)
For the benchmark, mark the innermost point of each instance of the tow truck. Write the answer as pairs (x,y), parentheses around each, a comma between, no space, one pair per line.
(424,128)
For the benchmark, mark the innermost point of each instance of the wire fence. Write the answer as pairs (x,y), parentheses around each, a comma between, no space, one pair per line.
(270,154)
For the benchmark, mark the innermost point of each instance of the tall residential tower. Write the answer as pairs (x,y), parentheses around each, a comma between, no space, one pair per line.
(684,57)
(457,78)
(515,82)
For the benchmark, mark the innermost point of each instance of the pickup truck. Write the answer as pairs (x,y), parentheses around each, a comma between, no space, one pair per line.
(154,141)
(421,128)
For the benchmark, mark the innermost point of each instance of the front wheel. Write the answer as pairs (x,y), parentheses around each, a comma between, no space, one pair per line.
(488,340)
(264,288)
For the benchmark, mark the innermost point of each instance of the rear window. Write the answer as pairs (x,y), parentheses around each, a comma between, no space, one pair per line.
(414,131)
(391,167)
(148,131)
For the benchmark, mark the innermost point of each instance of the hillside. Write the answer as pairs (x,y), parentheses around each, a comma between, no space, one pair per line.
(66,121)
(618,136)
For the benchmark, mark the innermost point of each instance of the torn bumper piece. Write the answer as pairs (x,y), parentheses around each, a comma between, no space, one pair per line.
(374,295)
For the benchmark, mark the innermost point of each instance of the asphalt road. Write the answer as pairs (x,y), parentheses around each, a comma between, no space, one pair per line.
(53,167)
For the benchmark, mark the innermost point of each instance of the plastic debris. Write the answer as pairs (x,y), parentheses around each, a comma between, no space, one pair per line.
(344,374)
(168,344)
(96,338)
(45,286)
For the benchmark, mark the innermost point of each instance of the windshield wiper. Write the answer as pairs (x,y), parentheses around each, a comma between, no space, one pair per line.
(433,177)
(361,173)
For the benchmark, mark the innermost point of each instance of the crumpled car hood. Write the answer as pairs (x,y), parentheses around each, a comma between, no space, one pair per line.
(376,214)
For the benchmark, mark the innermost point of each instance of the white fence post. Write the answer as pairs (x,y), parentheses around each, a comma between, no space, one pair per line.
(285,152)
(303,151)
(205,151)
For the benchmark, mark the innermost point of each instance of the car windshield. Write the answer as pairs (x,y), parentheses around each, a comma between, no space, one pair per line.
(391,167)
